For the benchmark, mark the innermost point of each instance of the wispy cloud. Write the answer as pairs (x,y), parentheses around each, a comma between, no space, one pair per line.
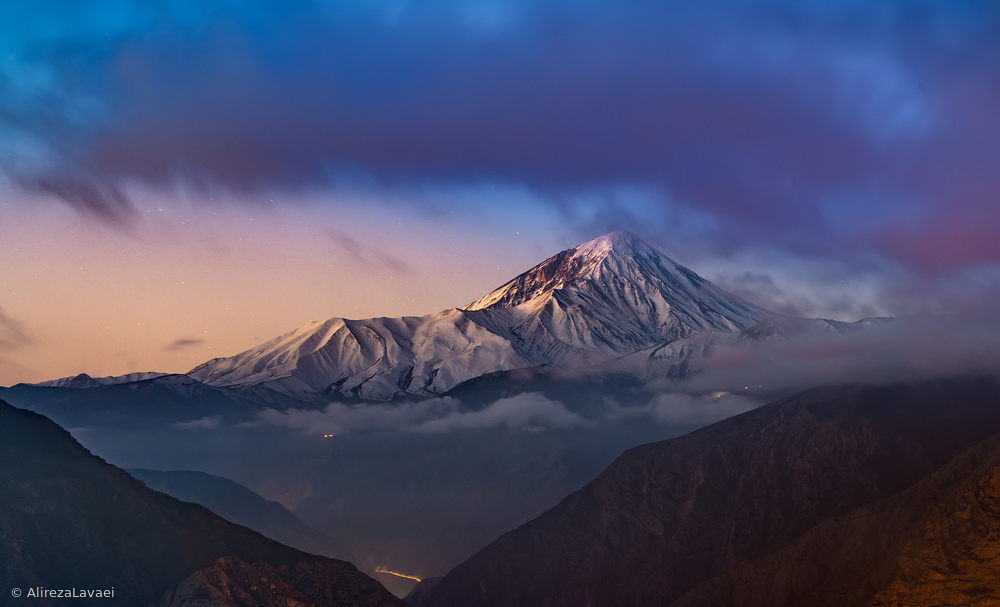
(94,195)
(368,256)
(12,333)
(210,422)
(183,343)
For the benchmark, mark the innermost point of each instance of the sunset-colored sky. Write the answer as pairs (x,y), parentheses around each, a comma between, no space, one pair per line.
(181,180)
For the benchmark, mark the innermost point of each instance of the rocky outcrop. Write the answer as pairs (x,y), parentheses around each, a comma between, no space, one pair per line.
(933,544)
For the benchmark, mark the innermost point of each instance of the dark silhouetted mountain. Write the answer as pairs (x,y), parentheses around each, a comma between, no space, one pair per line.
(667,517)
(70,520)
(422,593)
(933,544)
(238,504)
(166,399)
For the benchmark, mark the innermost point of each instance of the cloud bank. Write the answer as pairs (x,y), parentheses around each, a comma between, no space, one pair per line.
(530,412)
(916,348)
(678,409)
(735,377)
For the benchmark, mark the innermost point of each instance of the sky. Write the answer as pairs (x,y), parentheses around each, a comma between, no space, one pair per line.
(181,180)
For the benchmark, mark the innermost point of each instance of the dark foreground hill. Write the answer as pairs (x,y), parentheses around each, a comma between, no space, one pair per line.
(839,496)
(933,544)
(69,520)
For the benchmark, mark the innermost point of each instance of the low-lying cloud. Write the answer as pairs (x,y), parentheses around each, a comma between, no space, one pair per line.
(528,411)
(337,418)
(735,377)
(902,350)
(686,410)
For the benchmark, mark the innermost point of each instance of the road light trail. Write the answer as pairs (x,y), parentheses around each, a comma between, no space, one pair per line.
(396,573)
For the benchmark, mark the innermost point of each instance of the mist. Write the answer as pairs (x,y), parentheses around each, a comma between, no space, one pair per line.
(904,349)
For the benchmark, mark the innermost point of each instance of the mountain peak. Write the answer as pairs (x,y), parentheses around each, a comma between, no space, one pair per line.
(619,284)
(580,263)
(621,241)
(618,239)
(613,296)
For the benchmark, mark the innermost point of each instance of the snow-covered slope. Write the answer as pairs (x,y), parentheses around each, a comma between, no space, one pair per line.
(85,381)
(375,359)
(611,298)
(606,298)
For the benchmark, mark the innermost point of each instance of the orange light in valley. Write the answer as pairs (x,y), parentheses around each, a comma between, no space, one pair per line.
(395,573)
(329,435)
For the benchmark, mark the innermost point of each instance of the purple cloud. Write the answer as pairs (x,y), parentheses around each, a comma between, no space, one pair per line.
(826,130)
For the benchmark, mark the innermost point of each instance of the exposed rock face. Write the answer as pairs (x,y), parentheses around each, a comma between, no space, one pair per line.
(934,544)
(70,520)
(953,556)
(669,516)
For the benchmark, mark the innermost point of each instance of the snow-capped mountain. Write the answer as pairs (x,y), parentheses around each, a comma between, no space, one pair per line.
(606,298)
(613,298)
(84,381)
(375,359)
